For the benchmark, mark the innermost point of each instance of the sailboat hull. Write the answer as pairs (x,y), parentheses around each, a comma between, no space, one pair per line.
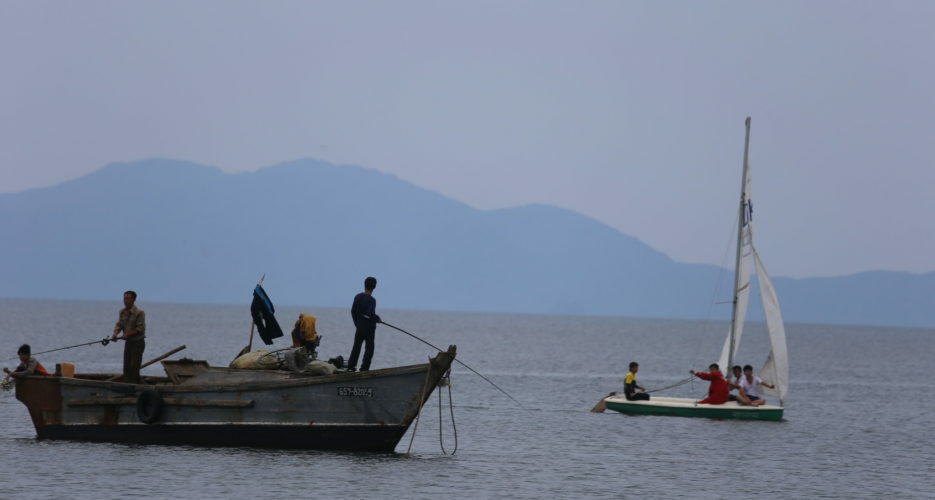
(685,407)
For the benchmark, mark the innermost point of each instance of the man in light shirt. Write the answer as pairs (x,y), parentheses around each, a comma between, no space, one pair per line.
(733,382)
(132,322)
(749,386)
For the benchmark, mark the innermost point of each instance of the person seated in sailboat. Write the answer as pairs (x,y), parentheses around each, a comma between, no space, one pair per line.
(630,386)
(749,384)
(733,383)
(717,391)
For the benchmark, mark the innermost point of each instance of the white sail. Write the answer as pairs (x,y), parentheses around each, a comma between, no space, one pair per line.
(742,291)
(776,369)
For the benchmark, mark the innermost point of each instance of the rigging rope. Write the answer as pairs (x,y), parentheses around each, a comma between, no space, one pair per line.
(681,382)
(717,283)
(415,427)
(441,440)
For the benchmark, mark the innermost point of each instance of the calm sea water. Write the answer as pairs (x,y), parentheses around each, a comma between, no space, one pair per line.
(858,420)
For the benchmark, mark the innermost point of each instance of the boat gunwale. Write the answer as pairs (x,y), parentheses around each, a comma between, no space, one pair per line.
(293,380)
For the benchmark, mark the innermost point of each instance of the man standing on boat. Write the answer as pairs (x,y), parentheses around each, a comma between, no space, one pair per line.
(132,322)
(364,314)
(717,391)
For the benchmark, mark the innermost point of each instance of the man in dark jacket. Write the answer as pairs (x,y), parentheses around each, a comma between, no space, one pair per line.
(364,314)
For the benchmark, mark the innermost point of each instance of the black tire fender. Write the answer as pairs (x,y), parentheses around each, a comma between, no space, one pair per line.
(149,406)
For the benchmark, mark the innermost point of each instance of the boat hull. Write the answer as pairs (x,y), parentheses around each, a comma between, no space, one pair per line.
(362,411)
(375,438)
(684,407)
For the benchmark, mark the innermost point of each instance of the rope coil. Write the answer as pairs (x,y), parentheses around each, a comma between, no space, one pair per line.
(451,407)
(415,426)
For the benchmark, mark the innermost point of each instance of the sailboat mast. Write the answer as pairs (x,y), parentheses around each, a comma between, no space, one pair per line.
(741,222)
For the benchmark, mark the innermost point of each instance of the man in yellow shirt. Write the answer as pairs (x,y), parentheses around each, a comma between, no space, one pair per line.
(305,334)
(630,386)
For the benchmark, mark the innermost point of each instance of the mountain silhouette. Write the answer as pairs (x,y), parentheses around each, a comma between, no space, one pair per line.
(181,232)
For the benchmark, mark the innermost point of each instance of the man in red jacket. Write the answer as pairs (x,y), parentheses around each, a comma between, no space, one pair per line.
(717,391)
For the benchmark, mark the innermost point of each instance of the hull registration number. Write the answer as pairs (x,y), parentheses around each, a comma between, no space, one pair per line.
(356,392)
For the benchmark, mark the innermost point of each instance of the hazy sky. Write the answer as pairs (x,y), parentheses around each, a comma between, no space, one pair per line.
(629,112)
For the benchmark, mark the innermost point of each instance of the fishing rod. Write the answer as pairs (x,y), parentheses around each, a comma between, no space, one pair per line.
(105,341)
(456,359)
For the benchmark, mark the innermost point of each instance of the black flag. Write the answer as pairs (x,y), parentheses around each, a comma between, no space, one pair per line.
(262,311)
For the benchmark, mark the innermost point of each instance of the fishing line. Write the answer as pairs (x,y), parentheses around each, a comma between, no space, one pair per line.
(456,359)
(105,341)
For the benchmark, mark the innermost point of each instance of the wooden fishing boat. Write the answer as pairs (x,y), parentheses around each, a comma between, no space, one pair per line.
(776,368)
(197,404)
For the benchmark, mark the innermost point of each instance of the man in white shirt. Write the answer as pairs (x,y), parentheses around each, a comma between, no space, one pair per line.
(733,382)
(749,384)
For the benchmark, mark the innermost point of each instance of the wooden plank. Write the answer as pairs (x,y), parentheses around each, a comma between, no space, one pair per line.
(100,401)
(225,403)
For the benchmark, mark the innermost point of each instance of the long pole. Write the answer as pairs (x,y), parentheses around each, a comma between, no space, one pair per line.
(164,356)
(456,359)
(250,343)
(741,222)
(144,365)
(249,347)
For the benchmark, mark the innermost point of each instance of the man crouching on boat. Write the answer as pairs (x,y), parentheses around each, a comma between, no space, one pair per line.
(28,365)
(717,391)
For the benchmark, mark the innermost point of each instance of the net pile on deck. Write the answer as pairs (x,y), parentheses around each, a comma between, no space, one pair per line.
(293,359)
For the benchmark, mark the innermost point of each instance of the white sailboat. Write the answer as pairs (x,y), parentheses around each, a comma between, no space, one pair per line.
(776,368)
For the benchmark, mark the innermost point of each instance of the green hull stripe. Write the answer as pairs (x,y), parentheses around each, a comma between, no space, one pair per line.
(706,412)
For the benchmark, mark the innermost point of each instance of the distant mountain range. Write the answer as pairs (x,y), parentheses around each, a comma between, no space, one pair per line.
(181,232)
